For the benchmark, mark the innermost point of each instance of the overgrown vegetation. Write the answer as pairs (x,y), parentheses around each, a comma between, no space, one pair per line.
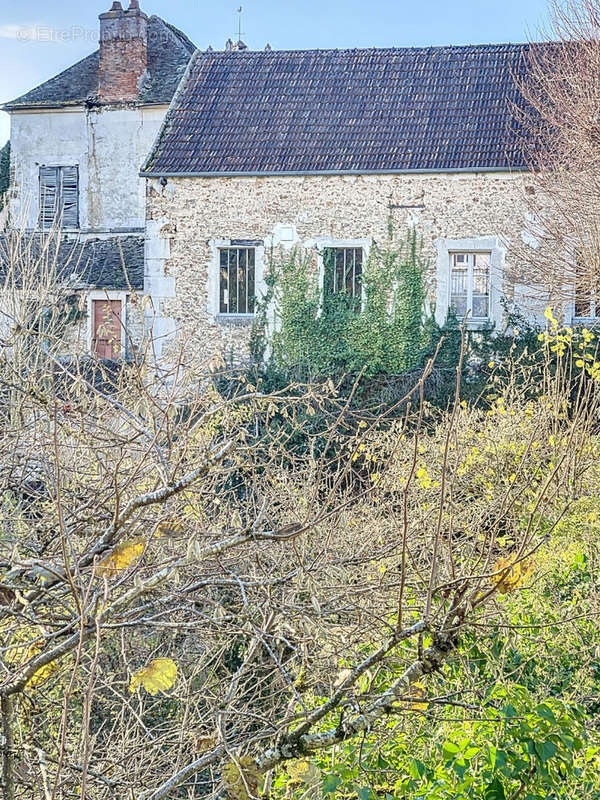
(288,594)
(322,334)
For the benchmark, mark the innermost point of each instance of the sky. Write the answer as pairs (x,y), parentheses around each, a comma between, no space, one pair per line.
(40,38)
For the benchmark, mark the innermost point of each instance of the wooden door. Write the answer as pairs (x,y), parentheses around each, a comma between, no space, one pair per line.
(106,330)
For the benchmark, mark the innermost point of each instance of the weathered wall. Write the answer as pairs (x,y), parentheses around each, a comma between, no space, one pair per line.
(108,145)
(187,214)
(76,340)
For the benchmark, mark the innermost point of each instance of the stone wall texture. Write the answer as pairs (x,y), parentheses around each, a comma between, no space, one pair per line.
(188,214)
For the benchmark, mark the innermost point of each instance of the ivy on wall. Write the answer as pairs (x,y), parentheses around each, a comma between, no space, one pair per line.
(4,171)
(316,336)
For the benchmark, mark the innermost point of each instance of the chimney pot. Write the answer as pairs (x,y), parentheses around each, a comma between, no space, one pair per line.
(116,6)
(133,4)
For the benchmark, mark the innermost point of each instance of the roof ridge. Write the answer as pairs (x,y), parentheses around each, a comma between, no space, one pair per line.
(177,33)
(335,50)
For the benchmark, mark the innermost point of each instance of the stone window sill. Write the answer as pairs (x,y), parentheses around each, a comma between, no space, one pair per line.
(235,320)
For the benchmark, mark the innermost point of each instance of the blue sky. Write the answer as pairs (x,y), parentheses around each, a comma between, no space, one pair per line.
(39,38)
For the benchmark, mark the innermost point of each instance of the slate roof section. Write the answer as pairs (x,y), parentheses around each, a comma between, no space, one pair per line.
(344,111)
(169,51)
(82,263)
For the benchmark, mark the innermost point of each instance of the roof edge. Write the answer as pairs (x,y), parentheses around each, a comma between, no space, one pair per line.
(172,104)
(305,173)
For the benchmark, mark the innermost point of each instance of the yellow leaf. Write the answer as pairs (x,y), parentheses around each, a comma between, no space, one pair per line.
(304,772)
(510,575)
(418,691)
(43,673)
(240,778)
(121,557)
(158,676)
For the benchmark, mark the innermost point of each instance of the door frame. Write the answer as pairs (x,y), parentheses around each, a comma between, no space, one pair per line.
(106,294)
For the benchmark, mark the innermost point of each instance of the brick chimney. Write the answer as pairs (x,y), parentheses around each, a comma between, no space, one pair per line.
(123,53)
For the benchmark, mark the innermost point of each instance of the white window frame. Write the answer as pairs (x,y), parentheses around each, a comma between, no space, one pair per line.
(106,294)
(496,248)
(214,273)
(328,242)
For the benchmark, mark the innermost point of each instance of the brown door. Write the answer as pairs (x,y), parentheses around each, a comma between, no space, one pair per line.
(106,331)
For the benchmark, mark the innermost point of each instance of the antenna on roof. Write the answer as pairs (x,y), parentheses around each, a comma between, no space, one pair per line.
(240,44)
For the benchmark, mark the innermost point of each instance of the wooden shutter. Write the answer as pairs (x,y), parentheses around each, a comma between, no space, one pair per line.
(59,196)
(70,197)
(49,192)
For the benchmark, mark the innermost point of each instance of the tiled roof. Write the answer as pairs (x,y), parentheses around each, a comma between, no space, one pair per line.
(115,263)
(396,110)
(169,51)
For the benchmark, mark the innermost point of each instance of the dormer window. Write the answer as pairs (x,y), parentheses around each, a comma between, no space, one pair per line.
(59,197)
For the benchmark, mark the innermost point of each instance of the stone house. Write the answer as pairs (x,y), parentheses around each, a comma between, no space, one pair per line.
(77,144)
(321,150)
(205,163)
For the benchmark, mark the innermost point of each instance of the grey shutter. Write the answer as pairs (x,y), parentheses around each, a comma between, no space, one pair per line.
(70,197)
(49,191)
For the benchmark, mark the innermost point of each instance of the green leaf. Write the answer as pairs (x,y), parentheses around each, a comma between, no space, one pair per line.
(450,749)
(545,712)
(416,769)
(365,793)
(545,750)
(494,790)
(330,784)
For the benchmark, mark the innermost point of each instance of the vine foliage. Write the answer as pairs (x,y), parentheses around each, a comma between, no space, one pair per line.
(318,334)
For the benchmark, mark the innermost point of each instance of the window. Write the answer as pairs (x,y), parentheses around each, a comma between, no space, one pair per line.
(343,273)
(237,278)
(107,329)
(59,196)
(470,284)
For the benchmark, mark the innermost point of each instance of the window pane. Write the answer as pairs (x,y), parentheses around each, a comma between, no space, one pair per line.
(237,280)
(224,282)
(329,268)
(481,285)
(458,283)
(480,306)
(343,272)
(251,256)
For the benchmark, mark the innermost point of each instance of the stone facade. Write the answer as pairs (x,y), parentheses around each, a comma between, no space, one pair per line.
(187,219)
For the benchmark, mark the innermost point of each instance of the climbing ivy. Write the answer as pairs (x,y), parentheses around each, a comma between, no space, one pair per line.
(316,336)
(4,171)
